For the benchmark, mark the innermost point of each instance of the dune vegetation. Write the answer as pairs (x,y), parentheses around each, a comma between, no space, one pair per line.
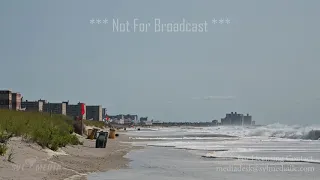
(99,124)
(49,131)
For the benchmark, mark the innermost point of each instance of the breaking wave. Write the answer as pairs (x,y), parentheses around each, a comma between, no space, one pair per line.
(179,138)
(276,131)
(285,131)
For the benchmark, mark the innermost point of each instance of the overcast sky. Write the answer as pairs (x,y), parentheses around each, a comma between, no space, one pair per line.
(264,62)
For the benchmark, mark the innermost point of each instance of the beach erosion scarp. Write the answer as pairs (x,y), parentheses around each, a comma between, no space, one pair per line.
(30,161)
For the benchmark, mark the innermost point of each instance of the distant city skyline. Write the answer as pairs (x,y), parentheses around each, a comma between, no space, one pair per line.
(265,62)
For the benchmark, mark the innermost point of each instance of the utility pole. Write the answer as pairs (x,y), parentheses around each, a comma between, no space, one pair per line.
(81,125)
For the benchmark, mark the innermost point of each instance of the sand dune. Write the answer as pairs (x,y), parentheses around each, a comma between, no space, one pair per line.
(31,162)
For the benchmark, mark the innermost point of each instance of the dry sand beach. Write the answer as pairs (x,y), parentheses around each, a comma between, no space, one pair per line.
(31,162)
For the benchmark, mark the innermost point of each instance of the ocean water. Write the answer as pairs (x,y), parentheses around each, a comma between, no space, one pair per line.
(267,152)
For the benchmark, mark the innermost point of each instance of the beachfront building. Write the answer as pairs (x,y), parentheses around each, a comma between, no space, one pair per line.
(94,113)
(16,101)
(5,99)
(130,119)
(118,121)
(231,119)
(55,108)
(236,119)
(143,120)
(147,123)
(104,113)
(74,110)
(135,120)
(10,100)
(36,106)
(247,120)
(124,119)
(116,117)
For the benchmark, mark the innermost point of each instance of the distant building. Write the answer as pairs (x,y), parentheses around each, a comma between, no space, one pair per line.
(5,99)
(226,120)
(215,122)
(36,106)
(124,119)
(10,100)
(55,108)
(130,119)
(16,101)
(232,119)
(118,121)
(43,101)
(247,120)
(74,110)
(236,119)
(116,117)
(112,117)
(104,113)
(94,112)
(135,120)
(147,123)
(143,119)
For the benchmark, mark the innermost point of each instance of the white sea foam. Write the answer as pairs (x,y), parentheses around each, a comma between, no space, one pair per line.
(273,130)
(179,138)
(263,158)
(274,139)
(189,145)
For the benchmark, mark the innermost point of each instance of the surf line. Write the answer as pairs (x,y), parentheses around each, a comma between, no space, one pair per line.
(263,159)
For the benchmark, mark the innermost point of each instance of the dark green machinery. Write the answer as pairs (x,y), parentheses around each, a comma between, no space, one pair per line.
(102,139)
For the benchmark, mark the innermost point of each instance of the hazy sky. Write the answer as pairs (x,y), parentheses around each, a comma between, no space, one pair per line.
(264,62)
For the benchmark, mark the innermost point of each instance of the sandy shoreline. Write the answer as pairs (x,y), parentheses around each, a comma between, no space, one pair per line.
(31,162)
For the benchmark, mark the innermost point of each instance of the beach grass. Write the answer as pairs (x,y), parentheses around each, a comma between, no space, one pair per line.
(99,124)
(51,131)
